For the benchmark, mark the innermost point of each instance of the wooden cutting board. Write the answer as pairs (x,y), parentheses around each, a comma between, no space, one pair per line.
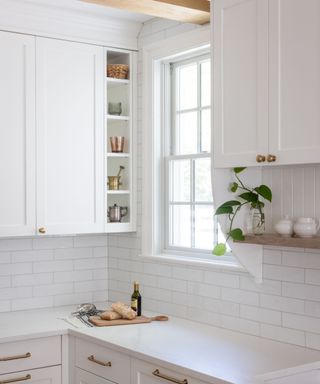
(96,320)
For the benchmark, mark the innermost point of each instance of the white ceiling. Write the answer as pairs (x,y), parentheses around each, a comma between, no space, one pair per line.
(97,10)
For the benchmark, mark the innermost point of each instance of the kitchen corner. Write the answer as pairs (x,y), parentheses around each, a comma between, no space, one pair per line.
(198,351)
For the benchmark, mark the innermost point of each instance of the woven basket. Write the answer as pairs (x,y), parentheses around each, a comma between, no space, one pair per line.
(118,71)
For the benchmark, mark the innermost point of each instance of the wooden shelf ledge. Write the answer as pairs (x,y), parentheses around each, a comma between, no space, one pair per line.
(280,241)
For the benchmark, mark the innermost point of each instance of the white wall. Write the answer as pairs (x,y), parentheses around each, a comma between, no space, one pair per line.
(52,271)
(285,307)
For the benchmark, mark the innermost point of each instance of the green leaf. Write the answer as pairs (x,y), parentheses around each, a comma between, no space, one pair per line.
(234,186)
(236,234)
(249,196)
(264,191)
(219,250)
(238,169)
(224,210)
(230,203)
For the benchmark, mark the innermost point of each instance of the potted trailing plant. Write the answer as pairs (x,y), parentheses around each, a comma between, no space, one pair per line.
(251,197)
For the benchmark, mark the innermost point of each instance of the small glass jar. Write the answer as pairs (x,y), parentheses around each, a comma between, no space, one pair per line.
(258,222)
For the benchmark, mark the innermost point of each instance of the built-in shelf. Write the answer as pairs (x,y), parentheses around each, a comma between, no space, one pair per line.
(113,82)
(117,154)
(277,240)
(118,192)
(116,117)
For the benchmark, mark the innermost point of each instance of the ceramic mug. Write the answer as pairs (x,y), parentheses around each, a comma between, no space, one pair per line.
(306,226)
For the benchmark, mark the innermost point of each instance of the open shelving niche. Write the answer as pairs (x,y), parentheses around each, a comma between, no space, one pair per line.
(121,90)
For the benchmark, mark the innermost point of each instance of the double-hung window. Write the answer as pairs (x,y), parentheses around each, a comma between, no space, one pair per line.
(189,219)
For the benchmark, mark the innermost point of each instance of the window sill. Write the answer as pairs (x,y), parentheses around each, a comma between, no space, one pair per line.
(193,262)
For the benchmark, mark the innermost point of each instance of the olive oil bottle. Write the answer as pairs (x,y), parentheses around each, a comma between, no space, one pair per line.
(136,299)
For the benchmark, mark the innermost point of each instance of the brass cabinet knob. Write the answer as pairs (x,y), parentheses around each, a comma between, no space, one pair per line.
(42,230)
(271,158)
(260,158)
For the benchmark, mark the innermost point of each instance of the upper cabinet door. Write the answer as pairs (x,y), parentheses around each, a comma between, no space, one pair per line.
(240,81)
(17,135)
(294,80)
(70,140)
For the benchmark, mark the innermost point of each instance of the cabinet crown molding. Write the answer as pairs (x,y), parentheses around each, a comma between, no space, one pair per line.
(69,23)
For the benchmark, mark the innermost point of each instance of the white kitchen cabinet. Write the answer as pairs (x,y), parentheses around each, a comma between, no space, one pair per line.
(146,373)
(17,135)
(83,377)
(294,81)
(121,92)
(103,362)
(69,97)
(240,81)
(49,375)
(266,82)
(32,361)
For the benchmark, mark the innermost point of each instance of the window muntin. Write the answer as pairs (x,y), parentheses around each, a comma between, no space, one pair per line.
(190,224)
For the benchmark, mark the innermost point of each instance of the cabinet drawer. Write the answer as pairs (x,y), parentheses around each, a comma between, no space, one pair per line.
(146,373)
(49,375)
(83,377)
(103,362)
(28,354)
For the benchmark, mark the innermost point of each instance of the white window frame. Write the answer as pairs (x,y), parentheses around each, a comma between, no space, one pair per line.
(153,197)
(170,143)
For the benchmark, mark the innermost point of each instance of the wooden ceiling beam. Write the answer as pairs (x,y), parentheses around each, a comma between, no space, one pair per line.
(187,11)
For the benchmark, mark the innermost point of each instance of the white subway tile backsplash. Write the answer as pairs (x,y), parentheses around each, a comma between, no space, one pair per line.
(313,340)
(283,304)
(267,286)
(52,242)
(5,281)
(301,291)
(72,253)
(42,272)
(260,314)
(15,269)
(241,297)
(282,273)
(241,325)
(29,256)
(5,257)
(222,279)
(73,298)
(32,279)
(313,276)
(15,244)
(52,266)
(172,284)
(188,274)
(204,290)
(303,323)
(93,263)
(33,302)
(283,334)
(299,259)
(90,241)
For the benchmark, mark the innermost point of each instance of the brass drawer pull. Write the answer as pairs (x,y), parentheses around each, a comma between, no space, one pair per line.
(28,354)
(27,377)
(104,364)
(172,379)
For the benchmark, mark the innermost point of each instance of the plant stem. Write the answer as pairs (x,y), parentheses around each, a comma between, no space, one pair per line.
(233,217)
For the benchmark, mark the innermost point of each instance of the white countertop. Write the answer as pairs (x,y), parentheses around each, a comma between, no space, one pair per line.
(202,351)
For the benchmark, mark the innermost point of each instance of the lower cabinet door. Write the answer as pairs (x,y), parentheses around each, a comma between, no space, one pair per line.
(49,375)
(84,377)
(146,373)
